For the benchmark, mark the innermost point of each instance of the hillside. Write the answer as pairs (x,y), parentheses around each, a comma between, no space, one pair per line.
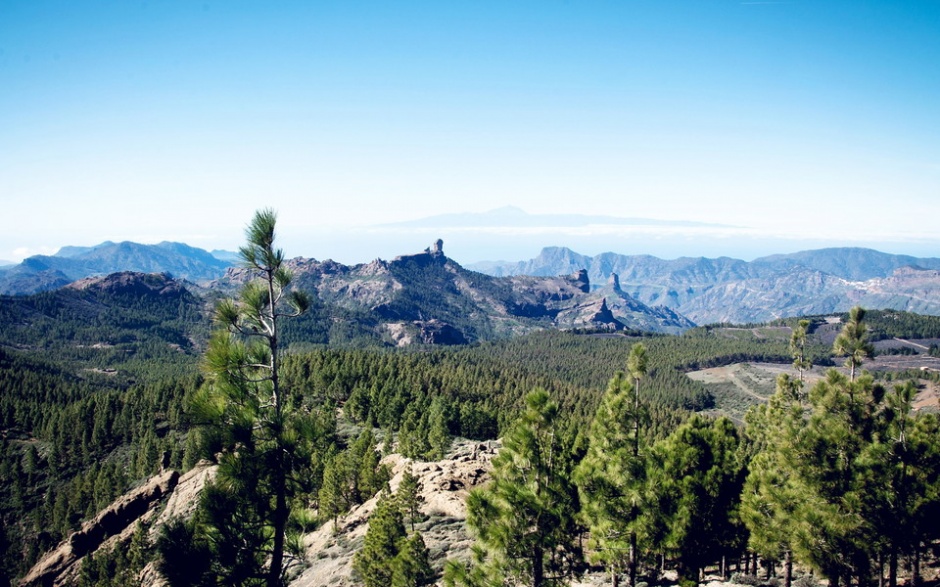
(120,322)
(328,550)
(46,272)
(429,298)
(736,291)
(411,300)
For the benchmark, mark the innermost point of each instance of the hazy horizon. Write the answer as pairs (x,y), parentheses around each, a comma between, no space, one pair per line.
(490,240)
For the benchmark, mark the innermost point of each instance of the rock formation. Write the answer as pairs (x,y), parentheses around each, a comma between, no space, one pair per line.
(60,566)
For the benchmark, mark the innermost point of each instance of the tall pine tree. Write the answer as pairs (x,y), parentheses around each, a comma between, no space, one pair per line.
(852,343)
(251,420)
(524,518)
(611,478)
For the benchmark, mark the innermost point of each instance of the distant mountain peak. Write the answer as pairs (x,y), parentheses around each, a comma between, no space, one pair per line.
(45,272)
(731,290)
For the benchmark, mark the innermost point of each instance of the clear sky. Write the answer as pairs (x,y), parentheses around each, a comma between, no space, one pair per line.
(805,123)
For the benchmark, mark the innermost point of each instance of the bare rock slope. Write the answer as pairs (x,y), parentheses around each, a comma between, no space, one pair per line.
(61,566)
(444,488)
(329,552)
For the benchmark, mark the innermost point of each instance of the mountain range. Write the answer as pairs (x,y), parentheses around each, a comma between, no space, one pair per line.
(427,297)
(731,290)
(46,272)
(559,288)
(424,298)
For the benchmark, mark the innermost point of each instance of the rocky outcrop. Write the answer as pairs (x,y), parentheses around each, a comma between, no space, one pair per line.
(444,484)
(426,298)
(582,281)
(134,284)
(60,566)
(440,333)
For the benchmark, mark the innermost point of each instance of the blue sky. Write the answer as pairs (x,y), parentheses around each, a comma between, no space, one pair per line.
(802,123)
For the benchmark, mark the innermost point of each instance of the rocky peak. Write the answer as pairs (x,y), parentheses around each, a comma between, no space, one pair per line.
(581,280)
(132,283)
(604,317)
(433,255)
(614,283)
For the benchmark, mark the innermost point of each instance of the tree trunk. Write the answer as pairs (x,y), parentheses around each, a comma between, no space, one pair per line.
(747,563)
(915,571)
(280,526)
(881,569)
(893,567)
(632,559)
(538,572)
(787,568)
(614,575)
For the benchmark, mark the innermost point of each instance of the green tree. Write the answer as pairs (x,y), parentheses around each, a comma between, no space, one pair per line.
(637,365)
(852,343)
(611,478)
(331,495)
(699,479)
(832,535)
(409,495)
(184,554)
(373,562)
(252,418)
(798,347)
(772,495)
(900,478)
(524,518)
(411,567)
(438,431)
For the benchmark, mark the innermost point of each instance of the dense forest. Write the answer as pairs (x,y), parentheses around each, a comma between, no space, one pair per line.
(74,438)
(841,477)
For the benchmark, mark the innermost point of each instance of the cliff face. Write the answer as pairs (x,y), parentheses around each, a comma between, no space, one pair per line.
(428,298)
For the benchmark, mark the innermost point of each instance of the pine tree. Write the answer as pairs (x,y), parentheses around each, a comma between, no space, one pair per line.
(409,495)
(249,415)
(900,478)
(637,364)
(699,479)
(611,477)
(524,518)
(798,347)
(373,563)
(411,567)
(772,495)
(331,499)
(184,555)
(826,458)
(438,432)
(852,343)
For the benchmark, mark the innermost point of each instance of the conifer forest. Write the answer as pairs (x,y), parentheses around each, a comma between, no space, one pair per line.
(614,463)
